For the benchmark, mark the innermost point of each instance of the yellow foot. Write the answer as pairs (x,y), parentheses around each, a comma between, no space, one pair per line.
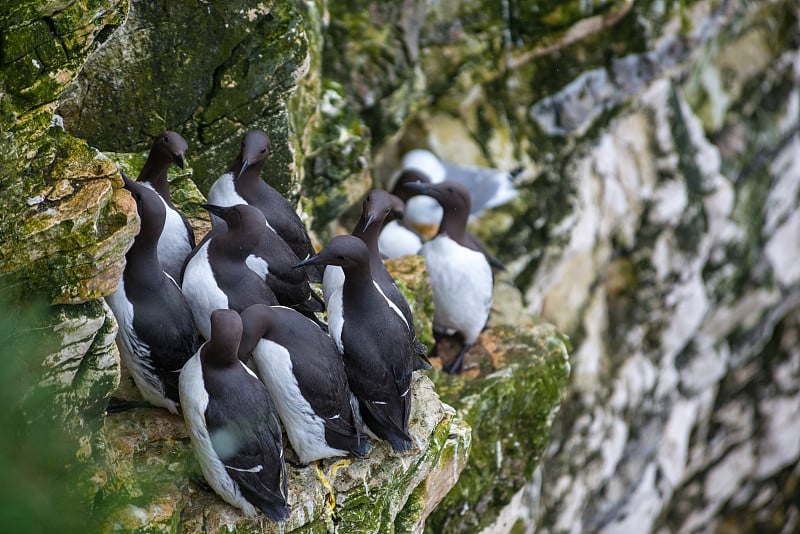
(330,512)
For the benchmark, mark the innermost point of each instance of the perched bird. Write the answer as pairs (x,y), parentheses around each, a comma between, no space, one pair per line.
(156,332)
(271,258)
(304,373)
(376,206)
(226,271)
(372,335)
(232,424)
(398,238)
(488,187)
(242,184)
(460,273)
(177,237)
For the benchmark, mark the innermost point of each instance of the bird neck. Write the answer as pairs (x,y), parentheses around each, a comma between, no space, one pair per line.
(358,275)
(219,354)
(142,257)
(359,285)
(454,224)
(154,172)
(370,238)
(251,173)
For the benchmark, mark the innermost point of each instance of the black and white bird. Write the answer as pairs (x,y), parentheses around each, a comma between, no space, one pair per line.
(242,184)
(488,187)
(376,206)
(305,375)
(156,333)
(226,270)
(398,238)
(232,424)
(177,237)
(372,335)
(272,258)
(461,276)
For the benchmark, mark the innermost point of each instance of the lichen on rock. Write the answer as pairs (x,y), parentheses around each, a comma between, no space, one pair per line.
(154,482)
(514,381)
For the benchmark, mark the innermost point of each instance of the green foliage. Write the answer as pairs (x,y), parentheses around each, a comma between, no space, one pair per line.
(37,457)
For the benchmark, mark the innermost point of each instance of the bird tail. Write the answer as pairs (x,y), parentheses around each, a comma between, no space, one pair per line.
(400,443)
(363,447)
(421,362)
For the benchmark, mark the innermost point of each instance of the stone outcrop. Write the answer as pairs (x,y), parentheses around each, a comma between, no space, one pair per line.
(657,222)
(154,483)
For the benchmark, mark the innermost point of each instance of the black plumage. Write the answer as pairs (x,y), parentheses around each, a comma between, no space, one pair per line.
(156,333)
(373,338)
(232,424)
(306,377)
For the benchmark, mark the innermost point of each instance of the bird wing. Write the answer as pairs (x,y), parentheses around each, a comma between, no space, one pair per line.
(250,445)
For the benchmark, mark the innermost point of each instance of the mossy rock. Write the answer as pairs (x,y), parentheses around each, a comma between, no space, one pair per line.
(153,482)
(514,381)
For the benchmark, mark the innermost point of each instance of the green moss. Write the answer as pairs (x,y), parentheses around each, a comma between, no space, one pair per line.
(510,412)
(336,166)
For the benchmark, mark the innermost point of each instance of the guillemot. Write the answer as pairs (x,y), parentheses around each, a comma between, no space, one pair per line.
(376,206)
(304,373)
(373,336)
(232,424)
(461,276)
(177,237)
(242,184)
(156,333)
(226,271)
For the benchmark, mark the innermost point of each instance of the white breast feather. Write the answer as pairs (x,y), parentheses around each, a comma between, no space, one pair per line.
(258,265)
(194,401)
(201,291)
(422,209)
(304,428)
(332,281)
(223,192)
(173,243)
(336,318)
(462,286)
(135,353)
(395,240)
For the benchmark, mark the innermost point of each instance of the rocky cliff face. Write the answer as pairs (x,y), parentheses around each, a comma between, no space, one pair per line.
(657,223)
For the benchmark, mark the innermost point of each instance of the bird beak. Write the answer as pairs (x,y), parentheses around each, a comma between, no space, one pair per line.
(311,260)
(216,210)
(420,188)
(126,181)
(178,160)
(245,164)
(370,218)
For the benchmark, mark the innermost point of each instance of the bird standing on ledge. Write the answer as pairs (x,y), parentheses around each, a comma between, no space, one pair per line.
(461,276)
(372,335)
(232,424)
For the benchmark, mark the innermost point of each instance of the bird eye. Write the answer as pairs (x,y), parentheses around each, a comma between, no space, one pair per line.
(166,139)
(388,210)
(449,189)
(340,258)
(367,198)
(264,151)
